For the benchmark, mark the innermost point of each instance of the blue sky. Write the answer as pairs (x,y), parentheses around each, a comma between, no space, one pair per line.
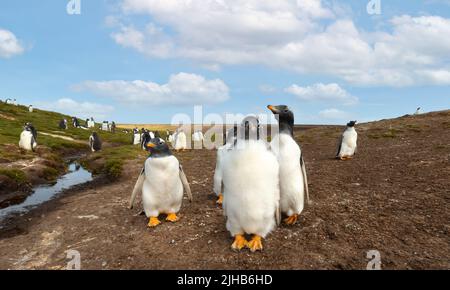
(142,61)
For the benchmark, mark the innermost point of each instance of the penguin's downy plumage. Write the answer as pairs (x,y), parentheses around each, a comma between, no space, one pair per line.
(250,188)
(162,182)
(95,142)
(228,142)
(348,142)
(28,138)
(293,178)
(180,141)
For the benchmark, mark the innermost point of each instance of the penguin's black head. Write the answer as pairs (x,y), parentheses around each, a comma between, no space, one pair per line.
(95,135)
(351,124)
(158,148)
(284,116)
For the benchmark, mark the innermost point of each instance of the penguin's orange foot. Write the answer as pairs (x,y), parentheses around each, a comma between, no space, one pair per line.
(220,200)
(171,217)
(255,244)
(153,222)
(291,220)
(239,242)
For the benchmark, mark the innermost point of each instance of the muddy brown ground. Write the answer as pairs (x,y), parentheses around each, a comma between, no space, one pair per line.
(392,197)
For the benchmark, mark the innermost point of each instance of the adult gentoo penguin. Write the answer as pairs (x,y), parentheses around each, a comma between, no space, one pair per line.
(162,182)
(347,144)
(145,138)
(28,137)
(30,108)
(293,179)
(228,142)
(95,142)
(251,193)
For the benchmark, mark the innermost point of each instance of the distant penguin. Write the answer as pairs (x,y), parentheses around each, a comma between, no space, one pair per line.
(180,141)
(113,127)
(170,138)
(63,124)
(75,122)
(197,136)
(8,101)
(136,138)
(293,178)
(251,193)
(348,142)
(228,142)
(95,142)
(105,126)
(30,108)
(14,102)
(162,182)
(28,138)
(91,123)
(417,111)
(145,139)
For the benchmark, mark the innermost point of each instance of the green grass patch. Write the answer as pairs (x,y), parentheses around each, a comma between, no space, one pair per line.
(18,176)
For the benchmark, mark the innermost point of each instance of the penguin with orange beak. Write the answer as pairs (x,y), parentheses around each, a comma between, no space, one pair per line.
(292,171)
(162,182)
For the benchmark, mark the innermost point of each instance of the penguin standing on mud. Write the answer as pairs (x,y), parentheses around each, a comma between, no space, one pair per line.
(162,182)
(28,137)
(348,142)
(228,142)
(251,193)
(95,142)
(293,179)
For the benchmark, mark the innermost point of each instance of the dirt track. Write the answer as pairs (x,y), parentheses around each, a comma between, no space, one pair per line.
(393,197)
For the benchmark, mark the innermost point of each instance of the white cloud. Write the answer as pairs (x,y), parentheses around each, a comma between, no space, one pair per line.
(292,35)
(334,114)
(181,89)
(9,44)
(267,89)
(322,92)
(79,109)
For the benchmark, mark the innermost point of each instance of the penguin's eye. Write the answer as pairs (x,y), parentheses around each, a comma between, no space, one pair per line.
(286,111)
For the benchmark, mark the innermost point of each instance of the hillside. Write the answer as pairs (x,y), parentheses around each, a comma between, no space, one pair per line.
(393,197)
(20,170)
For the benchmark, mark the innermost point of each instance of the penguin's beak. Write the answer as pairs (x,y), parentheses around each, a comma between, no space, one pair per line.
(273,109)
(150,145)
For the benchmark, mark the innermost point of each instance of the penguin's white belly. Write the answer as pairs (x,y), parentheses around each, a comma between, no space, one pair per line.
(27,141)
(180,141)
(251,193)
(162,192)
(137,139)
(349,141)
(292,189)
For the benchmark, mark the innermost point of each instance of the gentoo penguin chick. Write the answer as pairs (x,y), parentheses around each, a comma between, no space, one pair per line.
(95,142)
(251,193)
(28,137)
(228,142)
(180,142)
(293,179)
(347,144)
(161,181)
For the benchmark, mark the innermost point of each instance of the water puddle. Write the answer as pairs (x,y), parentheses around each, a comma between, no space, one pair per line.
(76,175)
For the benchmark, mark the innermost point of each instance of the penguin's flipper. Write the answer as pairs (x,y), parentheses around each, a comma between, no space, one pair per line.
(339,146)
(278,215)
(137,187)
(185,182)
(305,178)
